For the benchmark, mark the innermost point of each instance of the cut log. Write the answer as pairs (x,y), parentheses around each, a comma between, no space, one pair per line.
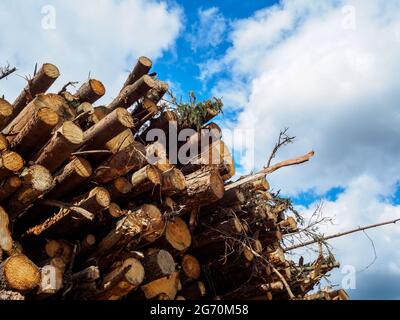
(156,93)
(35,133)
(177,238)
(52,101)
(203,187)
(145,179)
(131,158)
(77,171)
(115,210)
(59,249)
(84,115)
(168,285)
(10,163)
(36,180)
(231,198)
(157,155)
(6,241)
(107,128)
(8,187)
(194,291)
(125,276)
(19,273)
(173,182)
(66,140)
(200,141)
(132,93)
(67,221)
(158,263)
(91,91)
(145,110)
(141,68)
(121,141)
(3,143)
(119,188)
(162,122)
(40,83)
(6,110)
(190,269)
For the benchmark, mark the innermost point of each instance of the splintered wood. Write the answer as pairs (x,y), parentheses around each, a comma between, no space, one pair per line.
(93,207)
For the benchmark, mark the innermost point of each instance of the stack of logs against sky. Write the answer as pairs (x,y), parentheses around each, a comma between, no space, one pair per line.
(87,214)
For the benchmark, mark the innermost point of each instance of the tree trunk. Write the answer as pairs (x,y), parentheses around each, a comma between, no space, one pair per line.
(168,285)
(131,158)
(6,241)
(91,91)
(119,189)
(8,187)
(19,273)
(157,263)
(66,140)
(141,68)
(107,128)
(125,276)
(190,269)
(36,180)
(145,110)
(177,238)
(156,93)
(40,83)
(231,198)
(162,123)
(173,182)
(121,141)
(145,179)
(6,110)
(10,163)
(75,173)
(157,156)
(132,93)
(35,133)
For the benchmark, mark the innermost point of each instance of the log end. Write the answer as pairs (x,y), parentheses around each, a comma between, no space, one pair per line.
(191,267)
(72,132)
(97,87)
(20,273)
(125,118)
(38,177)
(50,70)
(178,234)
(11,161)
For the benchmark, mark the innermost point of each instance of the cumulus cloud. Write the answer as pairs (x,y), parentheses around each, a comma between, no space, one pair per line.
(209,30)
(328,71)
(103,37)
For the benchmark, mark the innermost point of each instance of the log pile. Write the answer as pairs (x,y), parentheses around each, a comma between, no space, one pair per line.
(92,208)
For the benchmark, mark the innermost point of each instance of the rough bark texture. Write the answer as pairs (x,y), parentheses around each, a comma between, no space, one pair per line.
(141,68)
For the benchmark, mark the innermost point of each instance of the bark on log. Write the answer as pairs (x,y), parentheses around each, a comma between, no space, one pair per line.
(35,133)
(66,140)
(142,67)
(40,83)
(6,241)
(121,141)
(19,273)
(145,110)
(107,128)
(91,91)
(8,187)
(6,110)
(231,198)
(173,182)
(132,93)
(143,180)
(129,159)
(77,171)
(157,155)
(10,163)
(119,189)
(162,122)
(125,276)
(177,238)
(168,285)
(157,263)
(36,180)
(156,93)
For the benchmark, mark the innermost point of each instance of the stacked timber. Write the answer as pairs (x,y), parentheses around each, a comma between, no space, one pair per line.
(93,207)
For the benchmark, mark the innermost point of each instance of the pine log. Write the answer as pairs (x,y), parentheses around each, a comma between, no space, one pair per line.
(190,269)
(203,187)
(67,221)
(52,101)
(6,241)
(177,237)
(3,143)
(115,210)
(84,112)
(107,128)
(200,141)
(6,110)
(77,171)
(40,83)
(157,155)
(91,91)
(36,180)
(173,182)
(131,158)
(143,180)
(163,122)
(119,189)
(59,249)
(19,273)
(168,285)
(35,133)
(8,187)
(145,109)
(132,93)
(194,291)
(10,163)
(217,155)
(125,276)
(156,93)
(157,263)
(142,67)
(66,140)
(231,198)
(121,141)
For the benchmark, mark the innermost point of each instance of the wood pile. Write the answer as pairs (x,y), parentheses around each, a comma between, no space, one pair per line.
(87,214)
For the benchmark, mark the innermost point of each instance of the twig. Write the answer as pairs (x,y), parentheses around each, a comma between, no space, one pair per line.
(341,234)
(70,83)
(80,153)
(6,71)
(59,204)
(283,140)
(270,169)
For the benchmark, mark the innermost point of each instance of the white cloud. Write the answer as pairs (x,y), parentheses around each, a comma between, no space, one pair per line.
(103,37)
(302,65)
(209,30)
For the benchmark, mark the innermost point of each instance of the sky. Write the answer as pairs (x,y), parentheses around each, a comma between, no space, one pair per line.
(327,70)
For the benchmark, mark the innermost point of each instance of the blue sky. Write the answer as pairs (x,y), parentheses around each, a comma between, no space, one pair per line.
(328,70)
